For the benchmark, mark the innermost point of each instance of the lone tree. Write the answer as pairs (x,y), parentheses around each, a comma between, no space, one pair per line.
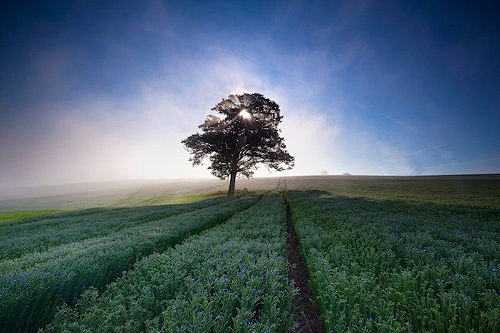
(244,133)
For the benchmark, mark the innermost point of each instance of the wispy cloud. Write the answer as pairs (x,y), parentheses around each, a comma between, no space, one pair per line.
(103,138)
(357,95)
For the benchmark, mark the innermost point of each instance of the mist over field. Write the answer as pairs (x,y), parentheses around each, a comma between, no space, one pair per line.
(379,88)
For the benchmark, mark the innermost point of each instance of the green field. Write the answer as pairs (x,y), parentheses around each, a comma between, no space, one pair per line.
(20,215)
(382,254)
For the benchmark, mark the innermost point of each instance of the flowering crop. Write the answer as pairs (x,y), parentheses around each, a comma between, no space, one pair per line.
(404,257)
(400,266)
(44,232)
(231,278)
(32,285)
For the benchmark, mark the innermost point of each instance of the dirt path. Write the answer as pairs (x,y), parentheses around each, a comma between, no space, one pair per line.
(305,311)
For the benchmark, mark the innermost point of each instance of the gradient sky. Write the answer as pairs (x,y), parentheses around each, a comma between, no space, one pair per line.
(92,91)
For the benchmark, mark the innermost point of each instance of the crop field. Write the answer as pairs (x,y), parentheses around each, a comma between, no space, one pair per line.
(381,254)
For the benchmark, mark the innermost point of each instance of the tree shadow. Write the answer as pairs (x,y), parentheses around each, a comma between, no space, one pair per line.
(468,218)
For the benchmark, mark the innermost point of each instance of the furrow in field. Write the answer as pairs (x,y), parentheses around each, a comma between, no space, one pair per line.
(305,310)
(231,278)
(17,240)
(399,266)
(64,251)
(31,290)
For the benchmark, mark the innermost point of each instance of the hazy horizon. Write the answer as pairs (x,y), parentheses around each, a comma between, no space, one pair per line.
(106,92)
(139,181)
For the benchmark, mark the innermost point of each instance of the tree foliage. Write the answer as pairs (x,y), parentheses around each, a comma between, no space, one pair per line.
(243,134)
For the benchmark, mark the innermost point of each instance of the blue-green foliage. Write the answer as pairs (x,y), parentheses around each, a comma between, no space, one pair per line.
(396,266)
(231,278)
(44,232)
(32,285)
(376,265)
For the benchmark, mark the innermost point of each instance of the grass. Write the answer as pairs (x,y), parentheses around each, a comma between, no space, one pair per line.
(19,215)
(171,199)
(475,190)
(174,199)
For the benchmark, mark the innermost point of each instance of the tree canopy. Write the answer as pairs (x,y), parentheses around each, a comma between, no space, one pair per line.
(242,134)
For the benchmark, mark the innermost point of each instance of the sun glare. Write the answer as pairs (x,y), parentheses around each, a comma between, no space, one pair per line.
(245,114)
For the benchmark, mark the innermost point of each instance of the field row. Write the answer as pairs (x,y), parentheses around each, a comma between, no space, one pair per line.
(33,285)
(219,266)
(43,232)
(394,266)
(231,278)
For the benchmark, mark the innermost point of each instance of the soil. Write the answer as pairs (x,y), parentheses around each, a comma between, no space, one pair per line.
(305,310)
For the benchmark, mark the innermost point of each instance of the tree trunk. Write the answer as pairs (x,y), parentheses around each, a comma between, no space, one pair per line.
(232,184)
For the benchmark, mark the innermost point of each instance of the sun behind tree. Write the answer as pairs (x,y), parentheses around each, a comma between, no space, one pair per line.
(243,134)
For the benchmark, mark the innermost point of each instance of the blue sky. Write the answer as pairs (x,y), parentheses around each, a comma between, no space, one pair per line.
(92,91)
